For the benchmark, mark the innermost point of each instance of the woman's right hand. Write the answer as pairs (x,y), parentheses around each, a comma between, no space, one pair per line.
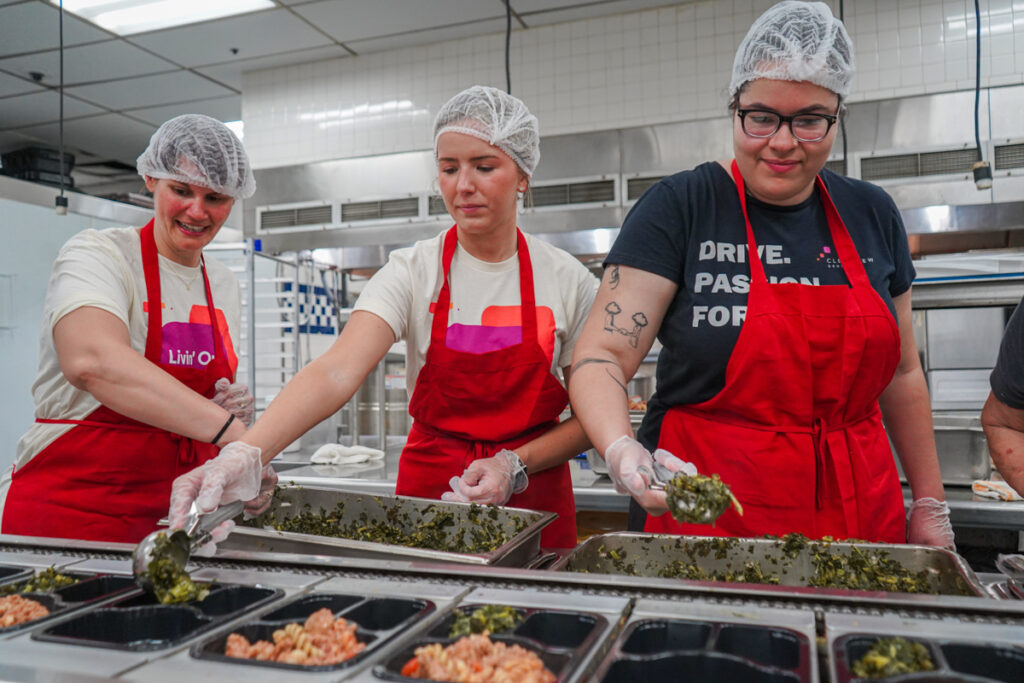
(235,474)
(631,466)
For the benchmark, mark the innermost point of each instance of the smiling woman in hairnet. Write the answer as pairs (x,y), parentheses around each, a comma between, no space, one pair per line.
(489,314)
(781,294)
(138,353)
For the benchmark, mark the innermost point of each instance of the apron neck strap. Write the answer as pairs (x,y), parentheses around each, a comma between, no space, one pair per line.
(528,307)
(151,271)
(849,259)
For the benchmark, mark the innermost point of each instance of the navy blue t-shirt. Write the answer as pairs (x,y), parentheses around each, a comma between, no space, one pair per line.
(689,228)
(1007,378)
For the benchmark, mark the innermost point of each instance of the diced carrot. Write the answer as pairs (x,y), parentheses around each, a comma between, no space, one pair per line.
(411,667)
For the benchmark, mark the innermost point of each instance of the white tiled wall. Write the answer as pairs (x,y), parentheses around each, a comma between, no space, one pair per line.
(654,66)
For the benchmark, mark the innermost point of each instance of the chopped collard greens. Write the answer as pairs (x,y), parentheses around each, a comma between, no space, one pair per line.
(171,583)
(479,530)
(699,499)
(892,657)
(826,565)
(45,581)
(489,618)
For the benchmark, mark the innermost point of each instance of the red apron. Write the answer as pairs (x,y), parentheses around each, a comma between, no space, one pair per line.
(796,431)
(468,406)
(109,477)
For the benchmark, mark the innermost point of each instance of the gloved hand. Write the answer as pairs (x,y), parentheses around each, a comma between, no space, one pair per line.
(929,524)
(258,505)
(631,468)
(489,481)
(236,399)
(674,464)
(235,474)
(218,534)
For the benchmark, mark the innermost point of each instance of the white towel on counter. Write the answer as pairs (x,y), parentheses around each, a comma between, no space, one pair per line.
(336,454)
(991,488)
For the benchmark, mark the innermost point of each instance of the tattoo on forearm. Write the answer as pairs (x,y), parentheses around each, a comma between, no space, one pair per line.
(587,361)
(613,277)
(639,323)
(616,380)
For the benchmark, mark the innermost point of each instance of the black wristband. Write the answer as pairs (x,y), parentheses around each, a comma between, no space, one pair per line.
(223,429)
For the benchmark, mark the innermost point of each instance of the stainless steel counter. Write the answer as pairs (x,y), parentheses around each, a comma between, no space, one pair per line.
(596,492)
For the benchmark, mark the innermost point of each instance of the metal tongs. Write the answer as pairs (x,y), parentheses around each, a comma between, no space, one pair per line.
(686,501)
(181,541)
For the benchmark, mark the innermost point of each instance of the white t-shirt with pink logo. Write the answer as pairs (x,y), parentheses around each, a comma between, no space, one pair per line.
(103,269)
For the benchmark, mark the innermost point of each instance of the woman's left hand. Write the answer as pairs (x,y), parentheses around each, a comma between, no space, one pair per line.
(268,482)
(236,399)
(489,481)
(929,524)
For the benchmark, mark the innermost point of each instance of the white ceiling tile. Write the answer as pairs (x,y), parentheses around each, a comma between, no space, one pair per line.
(99,61)
(109,136)
(34,26)
(12,85)
(220,108)
(149,91)
(573,13)
(253,35)
(27,110)
(350,20)
(230,74)
(428,36)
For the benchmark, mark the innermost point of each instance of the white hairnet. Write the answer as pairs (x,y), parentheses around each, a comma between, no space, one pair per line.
(199,150)
(495,117)
(796,41)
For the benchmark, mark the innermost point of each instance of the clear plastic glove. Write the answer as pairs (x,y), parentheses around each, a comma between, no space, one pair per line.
(258,505)
(235,474)
(631,467)
(219,533)
(929,524)
(489,481)
(236,399)
(674,464)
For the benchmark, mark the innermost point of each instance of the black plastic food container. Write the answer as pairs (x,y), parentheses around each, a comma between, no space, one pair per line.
(953,660)
(139,623)
(560,638)
(89,589)
(377,621)
(659,649)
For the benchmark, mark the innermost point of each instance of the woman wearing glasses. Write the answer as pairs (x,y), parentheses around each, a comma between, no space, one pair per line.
(774,367)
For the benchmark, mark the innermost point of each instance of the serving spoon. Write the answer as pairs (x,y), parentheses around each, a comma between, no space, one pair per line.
(181,542)
(686,501)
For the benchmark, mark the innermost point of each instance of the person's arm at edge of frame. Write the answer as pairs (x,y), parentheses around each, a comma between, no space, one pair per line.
(605,360)
(907,413)
(323,386)
(1004,429)
(95,354)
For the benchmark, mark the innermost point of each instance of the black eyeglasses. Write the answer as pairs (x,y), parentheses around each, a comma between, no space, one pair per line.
(763,123)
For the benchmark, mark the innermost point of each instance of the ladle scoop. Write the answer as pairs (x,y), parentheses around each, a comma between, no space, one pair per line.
(181,542)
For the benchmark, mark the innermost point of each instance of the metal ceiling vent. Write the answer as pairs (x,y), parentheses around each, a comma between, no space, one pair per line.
(435,205)
(635,187)
(566,194)
(1009,156)
(406,207)
(277,219)
(918,164)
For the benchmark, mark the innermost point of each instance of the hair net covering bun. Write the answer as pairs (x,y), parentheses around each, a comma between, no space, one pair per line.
(495,117)
(796,41)
(199,150)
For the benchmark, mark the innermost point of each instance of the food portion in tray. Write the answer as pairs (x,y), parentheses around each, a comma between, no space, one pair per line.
(792,560)
(858,656)
(15,610)
(29,597)
(316,632)
(535,645)
(477,659)
(322,639)
(658,649)
(435,527)
(486,619)
(45,581)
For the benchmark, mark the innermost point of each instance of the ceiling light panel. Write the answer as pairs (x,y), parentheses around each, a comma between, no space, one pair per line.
(125,17)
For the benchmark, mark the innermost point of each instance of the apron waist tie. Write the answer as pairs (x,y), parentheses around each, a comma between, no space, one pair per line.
(187,454)
(440,433)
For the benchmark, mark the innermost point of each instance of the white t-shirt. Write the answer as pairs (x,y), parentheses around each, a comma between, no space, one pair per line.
(485,300)
(103,269)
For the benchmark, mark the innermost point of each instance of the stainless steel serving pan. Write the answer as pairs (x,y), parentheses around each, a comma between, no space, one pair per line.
(647,554)
(401,511)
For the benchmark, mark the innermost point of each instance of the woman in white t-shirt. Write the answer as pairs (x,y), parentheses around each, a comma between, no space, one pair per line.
(486,395)
(137,361)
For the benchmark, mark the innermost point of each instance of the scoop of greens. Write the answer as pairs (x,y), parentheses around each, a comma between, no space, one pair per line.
(699,499)
(891,657)
(171,583)
(490,618)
